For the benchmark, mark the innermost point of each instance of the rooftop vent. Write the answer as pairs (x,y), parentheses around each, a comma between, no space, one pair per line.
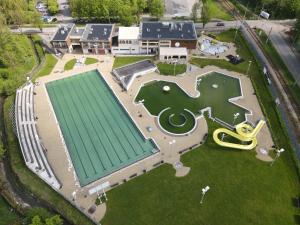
(148,29)
(76,30)
(181,35)
(157,29)
(62,32)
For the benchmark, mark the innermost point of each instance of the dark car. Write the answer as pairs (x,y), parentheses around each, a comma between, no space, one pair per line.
(220,24)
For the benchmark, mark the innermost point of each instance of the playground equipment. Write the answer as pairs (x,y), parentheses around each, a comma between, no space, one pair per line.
(244,133)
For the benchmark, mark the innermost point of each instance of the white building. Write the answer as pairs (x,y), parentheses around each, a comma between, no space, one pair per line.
(173,54)
(128,41)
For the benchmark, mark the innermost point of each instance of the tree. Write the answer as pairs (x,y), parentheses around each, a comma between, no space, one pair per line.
(141,6)
(157,8)
(54,220)
(205,12)
(36,220)
(195,11)
(126,16)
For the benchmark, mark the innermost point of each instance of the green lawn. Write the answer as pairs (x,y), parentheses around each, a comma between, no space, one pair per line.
(90,61)
(288,77)
(168,69)
(6,216)
(122,61)
(70,64)
(218,12)
(155,99)
(243,191)
(48,66)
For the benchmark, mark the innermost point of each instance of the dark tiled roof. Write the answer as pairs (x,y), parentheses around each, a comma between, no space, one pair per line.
(127,72)
(96,32)
(63,32)
(172,30)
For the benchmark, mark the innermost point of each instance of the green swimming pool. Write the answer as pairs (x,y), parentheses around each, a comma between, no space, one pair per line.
(100,136)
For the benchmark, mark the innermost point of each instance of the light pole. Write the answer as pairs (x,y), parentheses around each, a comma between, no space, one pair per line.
(278,152)
(248,67)
(174,67)
(171,143)
(269,35)
(235,116)
(204,190)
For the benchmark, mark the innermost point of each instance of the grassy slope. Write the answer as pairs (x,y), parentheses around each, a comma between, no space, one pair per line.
(288,77)
(31,181)
(218,12)
(70,64)
(122,61)
(48,67)
(168,69)
(90,61)
(244,191)
(6,216)
(19,70)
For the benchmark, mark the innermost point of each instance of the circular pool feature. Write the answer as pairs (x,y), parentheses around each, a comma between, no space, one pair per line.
(177,122)
(166,88)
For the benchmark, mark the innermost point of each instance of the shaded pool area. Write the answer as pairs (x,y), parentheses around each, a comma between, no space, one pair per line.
(215,91)
(100,136)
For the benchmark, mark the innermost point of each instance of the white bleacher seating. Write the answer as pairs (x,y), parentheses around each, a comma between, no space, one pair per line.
(32,150)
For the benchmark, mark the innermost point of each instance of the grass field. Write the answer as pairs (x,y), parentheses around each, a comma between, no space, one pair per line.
(218,12)
(168,69)
(7,217)
(122,61)
(243,191)
(155,99)
(70,64)
(48,67)
(89,61)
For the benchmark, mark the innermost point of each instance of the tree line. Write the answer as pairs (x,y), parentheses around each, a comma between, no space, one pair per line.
(127,12)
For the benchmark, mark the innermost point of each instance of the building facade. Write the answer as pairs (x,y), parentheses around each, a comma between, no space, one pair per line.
(106,38)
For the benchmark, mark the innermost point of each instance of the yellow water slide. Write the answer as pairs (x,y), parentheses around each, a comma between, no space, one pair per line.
(244,133)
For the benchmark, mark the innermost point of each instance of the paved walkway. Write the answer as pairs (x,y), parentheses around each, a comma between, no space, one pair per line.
(57,152)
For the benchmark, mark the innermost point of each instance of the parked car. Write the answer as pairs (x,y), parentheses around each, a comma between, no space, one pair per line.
(220,24)
(49,19)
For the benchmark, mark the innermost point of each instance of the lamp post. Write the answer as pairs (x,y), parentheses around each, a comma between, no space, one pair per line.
(248,67)
(204,190)
(235,116)
(174,67)
(278,152)
(171,143)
